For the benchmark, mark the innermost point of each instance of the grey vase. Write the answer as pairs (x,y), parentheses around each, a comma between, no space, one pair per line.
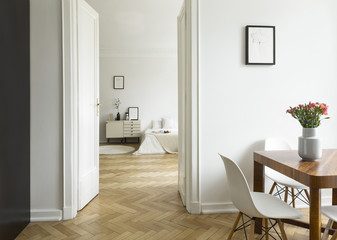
(309,145)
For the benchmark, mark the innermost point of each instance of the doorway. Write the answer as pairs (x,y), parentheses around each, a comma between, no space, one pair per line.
(70,173)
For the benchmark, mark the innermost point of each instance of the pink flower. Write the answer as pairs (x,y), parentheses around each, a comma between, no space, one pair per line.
(324,108)
(312,105)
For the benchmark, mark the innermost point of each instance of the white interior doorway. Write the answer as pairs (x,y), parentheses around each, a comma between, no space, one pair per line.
(71,132)
(81,106)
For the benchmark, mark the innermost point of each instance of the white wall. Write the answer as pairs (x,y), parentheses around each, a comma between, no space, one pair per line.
(242,105)
(138,40)
(46,110)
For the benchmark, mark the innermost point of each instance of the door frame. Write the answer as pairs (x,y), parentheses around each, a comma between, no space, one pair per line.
(191,128)
(70,109)
(181,24)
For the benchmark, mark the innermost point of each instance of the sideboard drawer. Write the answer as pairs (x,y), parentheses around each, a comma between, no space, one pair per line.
(130,134)
(136,128)
(132,123)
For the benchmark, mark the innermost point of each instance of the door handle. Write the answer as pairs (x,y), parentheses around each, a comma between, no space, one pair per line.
(98,106)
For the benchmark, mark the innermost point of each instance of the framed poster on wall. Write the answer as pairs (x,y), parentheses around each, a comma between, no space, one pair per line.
(133,113)
(260,45)
(118,82)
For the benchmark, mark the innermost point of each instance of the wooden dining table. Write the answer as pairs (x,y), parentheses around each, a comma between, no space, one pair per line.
(318,174)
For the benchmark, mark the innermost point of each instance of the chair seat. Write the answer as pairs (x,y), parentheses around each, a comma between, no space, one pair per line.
(272,207)
(330,212)
(283,179)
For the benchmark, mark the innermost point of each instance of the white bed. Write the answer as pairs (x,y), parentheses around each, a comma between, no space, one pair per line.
(157,141)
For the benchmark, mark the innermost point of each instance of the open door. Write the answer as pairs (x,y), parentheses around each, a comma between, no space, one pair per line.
(182,105)
(88,104)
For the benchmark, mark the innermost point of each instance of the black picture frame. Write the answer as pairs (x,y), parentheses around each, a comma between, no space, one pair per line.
(133,113)
(118,82)
(260,45)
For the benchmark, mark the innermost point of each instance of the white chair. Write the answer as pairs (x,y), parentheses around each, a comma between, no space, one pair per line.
(331,213)
(283,183)
(255,204)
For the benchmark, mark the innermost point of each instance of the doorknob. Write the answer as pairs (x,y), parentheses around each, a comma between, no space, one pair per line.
(98,106)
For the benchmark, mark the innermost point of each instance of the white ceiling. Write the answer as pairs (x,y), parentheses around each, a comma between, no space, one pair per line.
(137,26)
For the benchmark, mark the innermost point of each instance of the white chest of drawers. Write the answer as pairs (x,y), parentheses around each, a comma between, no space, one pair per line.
(123,129)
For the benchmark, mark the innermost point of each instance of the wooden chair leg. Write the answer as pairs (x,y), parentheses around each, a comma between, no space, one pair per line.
(293,196)
(326,231)
(283,233)
(234,226)
(266,226)
(252,230)
(272,188)
(286,195)
(307,194)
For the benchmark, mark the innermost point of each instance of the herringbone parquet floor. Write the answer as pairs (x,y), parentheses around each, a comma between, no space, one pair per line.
(139,200)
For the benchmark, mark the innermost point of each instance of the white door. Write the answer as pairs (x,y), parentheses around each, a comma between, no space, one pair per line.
(88,102)
(182,104)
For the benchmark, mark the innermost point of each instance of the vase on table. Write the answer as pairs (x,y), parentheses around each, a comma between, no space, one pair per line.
(309,145)
(118,116)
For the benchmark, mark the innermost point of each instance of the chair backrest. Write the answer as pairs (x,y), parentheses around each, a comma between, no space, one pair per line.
(276,144)
(239,189)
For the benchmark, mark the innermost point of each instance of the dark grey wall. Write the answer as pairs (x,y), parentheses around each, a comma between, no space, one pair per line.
(14,117)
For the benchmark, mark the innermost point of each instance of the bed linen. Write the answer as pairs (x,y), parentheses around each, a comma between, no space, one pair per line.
(156,141)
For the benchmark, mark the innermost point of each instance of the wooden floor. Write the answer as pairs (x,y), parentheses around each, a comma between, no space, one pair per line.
(139,200)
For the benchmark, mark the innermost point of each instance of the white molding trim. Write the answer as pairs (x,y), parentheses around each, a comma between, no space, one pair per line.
(181,22)
(228,207)
(195,208)
(192,108)
(213,208)
(70,124)
(44,215)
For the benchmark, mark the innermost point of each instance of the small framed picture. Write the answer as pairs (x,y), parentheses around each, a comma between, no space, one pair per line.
(260,45)
(133,113)
(118,82)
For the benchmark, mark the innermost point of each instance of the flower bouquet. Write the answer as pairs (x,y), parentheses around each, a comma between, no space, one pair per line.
(310,116)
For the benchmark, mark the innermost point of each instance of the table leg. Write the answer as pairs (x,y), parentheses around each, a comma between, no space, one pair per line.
(315,213)
(334,196)
(334,202)
(258,187)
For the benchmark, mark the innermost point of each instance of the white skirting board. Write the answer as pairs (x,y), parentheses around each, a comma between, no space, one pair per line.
(228,207)
(195,208)
(45,215)
(210,208)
